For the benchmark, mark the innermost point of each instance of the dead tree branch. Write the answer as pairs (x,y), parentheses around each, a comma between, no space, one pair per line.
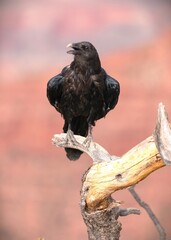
(109,174)
(147,208)
(162,135)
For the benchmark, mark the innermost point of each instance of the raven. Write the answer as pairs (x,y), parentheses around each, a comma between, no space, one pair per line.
(82,93)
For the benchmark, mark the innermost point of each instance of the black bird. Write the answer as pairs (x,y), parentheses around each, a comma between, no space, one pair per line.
(82,93)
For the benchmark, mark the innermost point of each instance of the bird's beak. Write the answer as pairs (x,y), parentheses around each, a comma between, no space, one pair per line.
(74,48)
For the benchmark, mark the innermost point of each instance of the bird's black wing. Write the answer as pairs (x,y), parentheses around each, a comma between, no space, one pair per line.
(112,92)
(54,91)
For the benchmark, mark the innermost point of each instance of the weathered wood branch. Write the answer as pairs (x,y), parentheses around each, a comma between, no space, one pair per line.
(95,151)
(162,135)
(110,173)
(152,216)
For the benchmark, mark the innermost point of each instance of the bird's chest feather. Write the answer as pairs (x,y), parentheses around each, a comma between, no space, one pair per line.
(77,88)
(81,93)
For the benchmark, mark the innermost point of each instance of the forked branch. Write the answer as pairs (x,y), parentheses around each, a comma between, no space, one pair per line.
(109,174)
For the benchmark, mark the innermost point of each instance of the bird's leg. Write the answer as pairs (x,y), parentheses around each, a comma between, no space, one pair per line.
(70,136)
(89,137)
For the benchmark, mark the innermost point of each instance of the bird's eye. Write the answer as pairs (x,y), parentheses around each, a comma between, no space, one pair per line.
(84,47)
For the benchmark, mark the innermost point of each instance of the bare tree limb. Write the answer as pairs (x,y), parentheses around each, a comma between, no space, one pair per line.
(147,208)
(110,173)
(107,176)
(95,151)
(162,135)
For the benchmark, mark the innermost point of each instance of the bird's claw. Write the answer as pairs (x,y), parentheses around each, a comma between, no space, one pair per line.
(70,139)
(87,141)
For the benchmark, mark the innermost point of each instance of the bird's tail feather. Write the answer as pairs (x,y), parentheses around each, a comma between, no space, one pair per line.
(79,126)
(73,154)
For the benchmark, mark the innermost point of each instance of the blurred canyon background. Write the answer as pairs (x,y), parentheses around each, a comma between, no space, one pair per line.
(39,186)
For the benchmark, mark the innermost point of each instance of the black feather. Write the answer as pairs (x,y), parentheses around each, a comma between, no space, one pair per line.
(82,92)
(112,93)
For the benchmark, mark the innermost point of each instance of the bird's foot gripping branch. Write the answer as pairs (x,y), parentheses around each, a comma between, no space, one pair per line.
(109,174)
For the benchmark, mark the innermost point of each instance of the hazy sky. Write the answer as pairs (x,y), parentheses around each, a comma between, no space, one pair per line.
(34,33)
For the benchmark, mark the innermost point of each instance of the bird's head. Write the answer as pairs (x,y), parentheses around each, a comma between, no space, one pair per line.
(83,50)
